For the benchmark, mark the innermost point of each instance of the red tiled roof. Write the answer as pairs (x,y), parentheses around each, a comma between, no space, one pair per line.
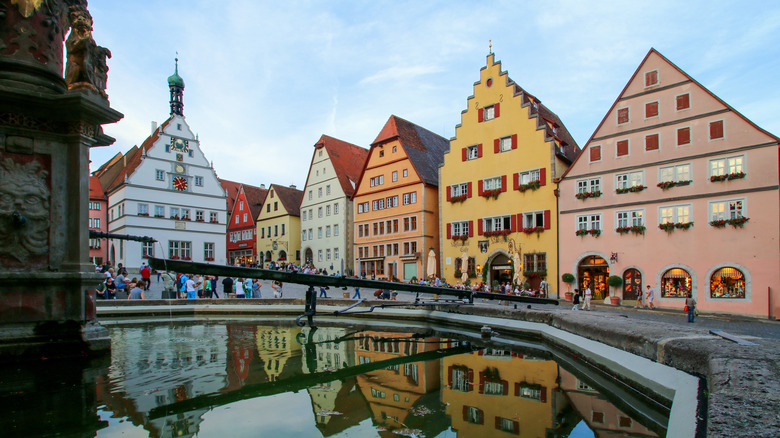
(255,197)
(231,191)
(290,197)
(95,189)
(347,159)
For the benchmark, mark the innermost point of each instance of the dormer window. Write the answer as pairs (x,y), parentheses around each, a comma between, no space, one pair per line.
(651,78)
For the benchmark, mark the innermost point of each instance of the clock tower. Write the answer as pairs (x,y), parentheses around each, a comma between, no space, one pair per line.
(176,84)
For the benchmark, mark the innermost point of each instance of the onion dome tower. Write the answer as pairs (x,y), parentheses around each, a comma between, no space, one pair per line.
(176,84)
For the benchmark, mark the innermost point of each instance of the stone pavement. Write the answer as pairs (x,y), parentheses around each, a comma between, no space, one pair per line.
(734,324)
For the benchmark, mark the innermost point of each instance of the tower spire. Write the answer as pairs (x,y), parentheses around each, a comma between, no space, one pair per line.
(176,85)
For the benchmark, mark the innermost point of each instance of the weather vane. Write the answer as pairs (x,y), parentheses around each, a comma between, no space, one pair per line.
(490,46)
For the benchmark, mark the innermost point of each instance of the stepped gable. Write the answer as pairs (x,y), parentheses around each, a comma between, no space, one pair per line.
(425,149)
(347,159)
(291,198)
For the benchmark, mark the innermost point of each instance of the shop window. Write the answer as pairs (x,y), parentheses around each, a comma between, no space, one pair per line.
(727,282)
(675,283)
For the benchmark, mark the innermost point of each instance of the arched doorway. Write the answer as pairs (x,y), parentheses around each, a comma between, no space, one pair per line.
(632,284)
(308,256)
(593,272)
(500,269)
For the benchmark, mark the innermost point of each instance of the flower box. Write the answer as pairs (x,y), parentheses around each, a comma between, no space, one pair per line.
(531,230)
(670,226)
(208,259)
(143,214)
(491,193)
(462,237)
(186,258)
(533,185)
(595,232)
(213,221)
(174,257)
(200,220)
(175,217)
(718,223)
(185,218)
(535,274)
(669,184)
(636,229)
(738,222)
(634,189)
(586,195)
(159,215)
(728,176)
(459,198)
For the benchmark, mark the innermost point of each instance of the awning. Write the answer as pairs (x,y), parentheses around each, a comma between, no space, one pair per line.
(677,273)
(728,272)
(371,259)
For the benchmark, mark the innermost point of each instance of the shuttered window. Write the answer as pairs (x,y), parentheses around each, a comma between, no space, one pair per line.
(683,101)
(622,116)
(595,153)
(683,136)
(622,148)
(651,142)
(651,109)
(716,130)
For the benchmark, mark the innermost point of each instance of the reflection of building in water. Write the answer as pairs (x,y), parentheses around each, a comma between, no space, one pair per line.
(337,405)
(603,418)
(279,351)
(154,366)
(395,390)
(243,365)
(492,391)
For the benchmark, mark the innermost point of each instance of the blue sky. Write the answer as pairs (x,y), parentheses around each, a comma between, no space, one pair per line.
(265,79)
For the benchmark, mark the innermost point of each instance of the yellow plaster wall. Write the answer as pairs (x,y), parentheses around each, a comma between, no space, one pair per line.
(290,242)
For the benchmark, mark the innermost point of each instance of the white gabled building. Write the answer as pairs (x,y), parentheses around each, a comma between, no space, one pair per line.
(165,189)
(326,208)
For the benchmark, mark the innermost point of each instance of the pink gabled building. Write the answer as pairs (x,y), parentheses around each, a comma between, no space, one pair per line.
(98,213)
(677,190)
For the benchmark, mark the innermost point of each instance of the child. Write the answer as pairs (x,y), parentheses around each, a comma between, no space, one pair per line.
(576,300)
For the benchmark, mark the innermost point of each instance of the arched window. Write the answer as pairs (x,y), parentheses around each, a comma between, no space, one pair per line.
(676,283)
(727,282)
(268,256)
(282,255)
(632,284)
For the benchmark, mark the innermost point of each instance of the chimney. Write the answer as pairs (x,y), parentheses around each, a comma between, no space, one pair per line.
(154,126)
(262,186)
(292,186)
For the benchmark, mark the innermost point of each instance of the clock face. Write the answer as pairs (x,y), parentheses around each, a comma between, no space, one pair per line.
(180,183)
(179,144)
(179,168)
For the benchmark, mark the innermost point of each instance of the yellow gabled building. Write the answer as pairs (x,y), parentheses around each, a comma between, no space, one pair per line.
(279,226)
(497,191)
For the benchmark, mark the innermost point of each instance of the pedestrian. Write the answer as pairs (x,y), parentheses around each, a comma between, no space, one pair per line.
(159,274)
(576,300)
(690,304)
(357,294)
(639,304)
(213,281)
(588,295)
(277,286)
(543,288)
(240,288)
(256,289)
(650,297)
(323,294)
(146,275)
(227,287)
(191,287)
(137,293)
(182,282)
(169,286)
(207,286)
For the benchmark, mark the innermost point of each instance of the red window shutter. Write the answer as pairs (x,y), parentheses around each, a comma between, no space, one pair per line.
(683,136)
(651,78)
(519,221)
(543,396)
(651,142)
(595,153)
(651,109)
(449,231)
(465,413)
(480,116)
(514,141)
(479,232)
(496,110)
(465,154)
(516,427)
(471,234)
(503,183)
(505,384)
(683,102)
(481,418)
(547,219)
(468,190)
(496,146)
(449,194)
(517,389)
(622,116)
(543,176)
(479,187)
(479,150)
(515,181)
(716,130)
(471,372)
(449,376)
(513,224)
(481,382)
(622,148)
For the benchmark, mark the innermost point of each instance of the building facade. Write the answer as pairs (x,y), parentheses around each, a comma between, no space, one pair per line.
(165,189)
(678,191)
(98,204)
(244,204)
(326,209)
(396,202)
(279,226)
(498,199)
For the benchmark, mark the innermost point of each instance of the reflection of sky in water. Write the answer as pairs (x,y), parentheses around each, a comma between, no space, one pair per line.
(581,430)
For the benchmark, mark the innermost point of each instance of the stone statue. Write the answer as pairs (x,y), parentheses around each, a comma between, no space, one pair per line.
(24,209)
(518,277)
(86,67)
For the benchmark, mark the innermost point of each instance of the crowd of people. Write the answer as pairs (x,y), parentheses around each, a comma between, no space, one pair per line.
(119,285)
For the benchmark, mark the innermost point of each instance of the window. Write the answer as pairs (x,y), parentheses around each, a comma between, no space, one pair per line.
(283,231)
(395,149)
(716,130)
(589,222)
(508,425)
(327,231)
(311,233)
(94,222)
(597,417)
(327,189)
(491,183)
(683,136)
(683,102)
(143,209)
(410,248)
(674,214)
(589,185)
(174,213)
(319,192)
(363,207)
(533,219)
(199,215)
(319,232)
(595,153)
(535,262)
(505,144)
(303,235)
(327,254)
(489,113)
(336,208)
(276,230)
(94,205)
(472,153)
(319,255)
(310,195)
(208,251)
(377,180)
(245,217)
(327,210)
(199,181)
(335,254)
(728,209)
(625,181)
(622,148)
(410,198)
(675,283)
(179,250)
(651,78)
(185,213)
(461,189)
(159,175)
(147,249)
(622,116)
(496,223)
(395,175)
(630,218)
(651,110)
(678,173)
(406,173)
(651,142)
(213,217)
(727,282)
(381,153)
(460,228)
(727,165)
(529,176)
(159,211)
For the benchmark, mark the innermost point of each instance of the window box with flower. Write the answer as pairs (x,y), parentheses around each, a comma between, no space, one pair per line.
(737,222)
(176,217)
(460,237)
(531,230)
(671,226)
(459,198)
(143,214)
(200,220)
(535,274)
(595,232)
(213,221)
(634,189)
(533,185)
(636,229)
(186,258)
(586,195)
(208,259)
(174,257)
(159,215)
(727,176)
(493,193)
(669,184)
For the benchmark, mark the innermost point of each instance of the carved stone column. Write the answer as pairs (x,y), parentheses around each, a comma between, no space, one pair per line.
(46,281)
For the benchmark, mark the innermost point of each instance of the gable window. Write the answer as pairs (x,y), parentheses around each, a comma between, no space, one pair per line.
(622,116)
(677,173)
(630,218)
(595,153)
(472,152)
(199,181)
(276,205)
(489,113)
(159,175)
(628,180)
(589,185)
(651,109)
(682,102)
(716,130)
(382,153)
(651,78)
(406,173)
(651,142)
(622,148)
(727,165)
(310,195)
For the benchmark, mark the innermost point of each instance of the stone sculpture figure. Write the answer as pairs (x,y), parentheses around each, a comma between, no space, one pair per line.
(24,209)
(86,66)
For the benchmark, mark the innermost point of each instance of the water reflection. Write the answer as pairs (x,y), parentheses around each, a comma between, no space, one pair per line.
(182,380)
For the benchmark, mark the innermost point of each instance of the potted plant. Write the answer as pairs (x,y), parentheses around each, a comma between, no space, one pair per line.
(613,282)
(568,278)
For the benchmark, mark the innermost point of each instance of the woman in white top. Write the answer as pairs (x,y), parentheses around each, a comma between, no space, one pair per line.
(240,288)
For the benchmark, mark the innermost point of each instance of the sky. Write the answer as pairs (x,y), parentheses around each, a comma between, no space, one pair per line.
(264,80)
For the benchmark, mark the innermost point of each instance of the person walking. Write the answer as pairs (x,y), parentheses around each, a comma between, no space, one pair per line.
(357,294)
(639,304)
(277,286)
(227,287)
(588,295)
(240,288)
(650,297)
(323,294)
(256,289)
(576,300)
(190,287)
(207,286)
(146,275)
(690,303)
